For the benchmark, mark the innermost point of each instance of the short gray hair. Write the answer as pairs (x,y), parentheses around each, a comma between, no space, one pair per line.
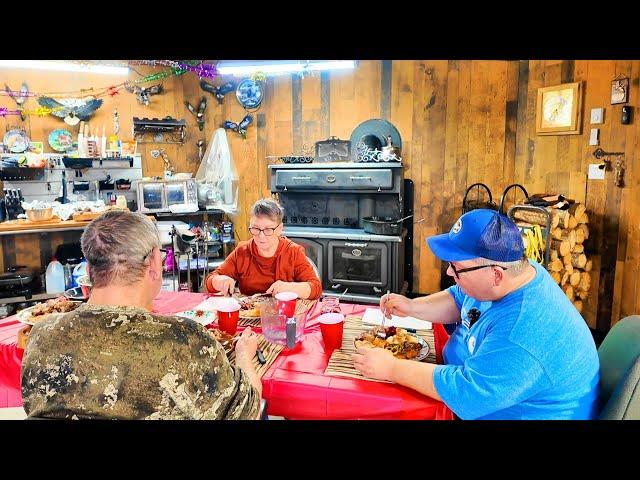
(117,245)
(513,269)
(266,207)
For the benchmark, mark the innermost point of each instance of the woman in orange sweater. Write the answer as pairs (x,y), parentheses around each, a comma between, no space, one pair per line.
(268,262)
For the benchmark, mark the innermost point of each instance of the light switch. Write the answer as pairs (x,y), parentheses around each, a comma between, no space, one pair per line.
(597,115)
(595,172)
(593,138)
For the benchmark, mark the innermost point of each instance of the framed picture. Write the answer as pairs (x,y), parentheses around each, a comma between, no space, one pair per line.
(559,109)
(620,90)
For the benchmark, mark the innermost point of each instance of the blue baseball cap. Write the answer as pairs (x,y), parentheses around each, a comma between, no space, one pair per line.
(479,233)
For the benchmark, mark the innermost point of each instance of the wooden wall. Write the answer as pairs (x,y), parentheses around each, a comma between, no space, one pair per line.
(461,122)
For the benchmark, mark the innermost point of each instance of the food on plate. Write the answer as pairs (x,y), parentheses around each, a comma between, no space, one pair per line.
(224,338)
(56,305)
(400,342)
(250,306)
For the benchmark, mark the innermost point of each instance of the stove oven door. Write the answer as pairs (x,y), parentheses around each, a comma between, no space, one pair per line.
(362,266)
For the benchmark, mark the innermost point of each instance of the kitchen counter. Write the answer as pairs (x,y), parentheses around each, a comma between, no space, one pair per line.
(13,227)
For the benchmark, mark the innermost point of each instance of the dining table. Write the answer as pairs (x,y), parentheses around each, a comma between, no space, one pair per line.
(295,385)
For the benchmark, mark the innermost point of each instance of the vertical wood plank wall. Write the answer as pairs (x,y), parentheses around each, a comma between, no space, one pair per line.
(461,122)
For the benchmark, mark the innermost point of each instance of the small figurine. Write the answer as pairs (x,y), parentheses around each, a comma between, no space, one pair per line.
(241,127)
(199,113)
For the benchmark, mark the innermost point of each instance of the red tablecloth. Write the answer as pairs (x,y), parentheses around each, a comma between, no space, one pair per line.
(295,386)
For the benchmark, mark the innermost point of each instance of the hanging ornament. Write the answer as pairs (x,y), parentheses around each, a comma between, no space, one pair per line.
(116,122)
(5,111)
(240,128)
(143,93)
(198,113)
(19,98)
(258,77)
(71,110)
(220,91)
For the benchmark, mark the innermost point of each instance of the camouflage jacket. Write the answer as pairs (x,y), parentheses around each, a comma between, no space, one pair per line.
(126,363)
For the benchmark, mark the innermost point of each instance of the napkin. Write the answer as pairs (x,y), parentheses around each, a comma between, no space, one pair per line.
(373,316)
(213,304)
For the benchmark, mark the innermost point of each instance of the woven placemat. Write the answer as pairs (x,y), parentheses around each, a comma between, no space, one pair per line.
(269,350)
(341,364)
(301,306)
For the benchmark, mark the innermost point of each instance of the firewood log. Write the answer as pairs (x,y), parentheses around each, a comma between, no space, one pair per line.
(584,229)
(577,210)
(537,218)
(574,278)
(566,260)
(588,266)
(579,235)
(578,260)
(582,294)
(553,255)
(563,247)
(585,281)
(556,277)
(568,291)
(579,248)
(578,305)
(583,219)
(556,266)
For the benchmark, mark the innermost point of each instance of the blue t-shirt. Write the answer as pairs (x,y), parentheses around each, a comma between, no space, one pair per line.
(529,355)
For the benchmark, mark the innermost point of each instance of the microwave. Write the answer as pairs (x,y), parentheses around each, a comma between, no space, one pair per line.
(159,195)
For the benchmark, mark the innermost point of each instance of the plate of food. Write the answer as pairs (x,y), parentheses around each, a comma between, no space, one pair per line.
(42,311)
(400,342)
(226,340)
(250,306)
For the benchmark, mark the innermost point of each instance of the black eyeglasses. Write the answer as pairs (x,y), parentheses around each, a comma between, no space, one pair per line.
(471,269)
(255,231)
(163,254)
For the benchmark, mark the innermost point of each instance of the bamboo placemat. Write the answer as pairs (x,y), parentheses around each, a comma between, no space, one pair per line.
(341,364)
(269,350)
(301,306)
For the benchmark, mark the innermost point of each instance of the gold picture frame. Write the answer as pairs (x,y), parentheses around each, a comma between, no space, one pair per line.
(620,90)
(559,109)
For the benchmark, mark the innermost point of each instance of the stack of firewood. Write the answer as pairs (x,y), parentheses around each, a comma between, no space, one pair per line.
(568,263)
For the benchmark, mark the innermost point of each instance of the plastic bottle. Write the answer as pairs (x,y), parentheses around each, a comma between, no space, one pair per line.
(54,277)
(78,272)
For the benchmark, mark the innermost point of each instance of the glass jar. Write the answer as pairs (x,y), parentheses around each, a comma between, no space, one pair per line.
(330,305)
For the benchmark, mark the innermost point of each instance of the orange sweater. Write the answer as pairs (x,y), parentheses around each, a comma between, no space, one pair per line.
(255,274)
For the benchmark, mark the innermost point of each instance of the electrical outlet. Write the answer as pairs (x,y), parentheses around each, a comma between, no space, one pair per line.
(597,115)
(595,172)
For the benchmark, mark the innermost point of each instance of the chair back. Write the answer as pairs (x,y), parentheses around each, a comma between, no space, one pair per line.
(619,356)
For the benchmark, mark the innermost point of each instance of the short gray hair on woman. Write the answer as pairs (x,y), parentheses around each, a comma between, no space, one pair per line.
(117,245)
(513,269)
(265,207)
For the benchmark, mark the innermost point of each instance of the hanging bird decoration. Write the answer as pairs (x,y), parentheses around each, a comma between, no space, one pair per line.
(116,122)
(19,99)
(199,113)
(143,94)
(71,110)
(220,91)
(241,127)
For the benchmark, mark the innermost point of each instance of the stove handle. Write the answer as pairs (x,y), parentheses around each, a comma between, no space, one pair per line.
(336,286)
(358,177)
(348,244)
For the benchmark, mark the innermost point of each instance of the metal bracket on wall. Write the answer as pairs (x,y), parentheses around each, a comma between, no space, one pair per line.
(600,154)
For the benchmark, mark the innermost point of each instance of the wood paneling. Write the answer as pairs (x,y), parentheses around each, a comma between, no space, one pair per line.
(461,122)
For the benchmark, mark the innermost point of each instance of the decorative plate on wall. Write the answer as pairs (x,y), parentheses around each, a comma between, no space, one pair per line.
(16,141)
(61,140)
(250,93)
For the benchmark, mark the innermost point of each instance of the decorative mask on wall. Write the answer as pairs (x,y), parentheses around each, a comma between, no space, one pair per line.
(241,127)
(71,110)
(143,94)
(198,113)
(218,92)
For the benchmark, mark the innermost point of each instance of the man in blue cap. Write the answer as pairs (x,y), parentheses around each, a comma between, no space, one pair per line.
(522,350)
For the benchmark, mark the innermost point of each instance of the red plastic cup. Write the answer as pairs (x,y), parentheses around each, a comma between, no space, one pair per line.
(287,303)
(228,314)
(331,326)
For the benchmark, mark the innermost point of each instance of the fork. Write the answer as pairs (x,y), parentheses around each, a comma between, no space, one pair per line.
(381,332)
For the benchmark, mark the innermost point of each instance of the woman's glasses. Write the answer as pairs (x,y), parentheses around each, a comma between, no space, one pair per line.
(255,231)
(471,269)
